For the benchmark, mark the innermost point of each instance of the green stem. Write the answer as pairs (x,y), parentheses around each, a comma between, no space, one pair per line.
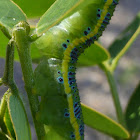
(8,72)
(115,94)
(9,81)
(23,45)
(125,48)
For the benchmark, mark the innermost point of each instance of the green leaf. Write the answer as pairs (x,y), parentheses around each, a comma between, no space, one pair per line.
(3,108)
(10,15)
(51,134)
(119,47)
(95,54)
(102,123)
(18,118)
(34,8)
(132,114)
(8,124)
(3,43)
(58,11)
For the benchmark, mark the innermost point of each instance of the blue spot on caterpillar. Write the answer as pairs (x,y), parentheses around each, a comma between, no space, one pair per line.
(60,80)
(67,114)
(64,43)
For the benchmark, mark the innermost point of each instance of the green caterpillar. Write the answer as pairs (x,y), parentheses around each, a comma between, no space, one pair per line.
(63,44)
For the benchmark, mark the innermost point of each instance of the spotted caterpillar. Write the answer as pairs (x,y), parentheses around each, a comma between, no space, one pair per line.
(63,44)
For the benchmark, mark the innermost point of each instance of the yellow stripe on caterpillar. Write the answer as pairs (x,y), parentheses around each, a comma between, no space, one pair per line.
(72,117)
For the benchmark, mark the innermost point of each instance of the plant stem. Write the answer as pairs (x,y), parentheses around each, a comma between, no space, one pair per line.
(8,72)
(126,47)
(23,45)
(115,94)
(9,81)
